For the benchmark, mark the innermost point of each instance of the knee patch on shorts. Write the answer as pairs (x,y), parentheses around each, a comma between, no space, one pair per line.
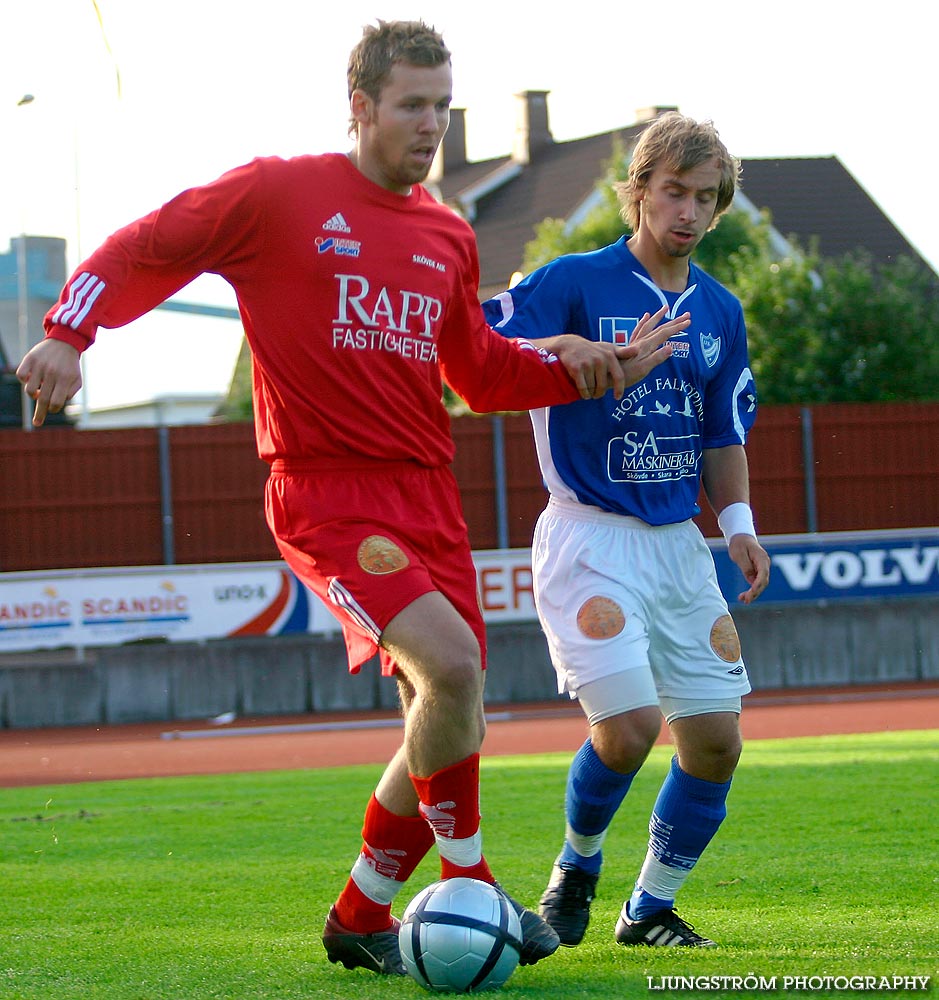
(600,618)
(724,639)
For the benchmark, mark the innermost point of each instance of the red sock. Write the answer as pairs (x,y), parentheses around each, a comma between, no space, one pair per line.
(449,801)
(481,870)
(393,846)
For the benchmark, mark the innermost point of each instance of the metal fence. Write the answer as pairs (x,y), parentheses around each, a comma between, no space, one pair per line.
(149,496)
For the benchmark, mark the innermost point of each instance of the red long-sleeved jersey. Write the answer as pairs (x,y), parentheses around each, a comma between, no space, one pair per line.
(355,301)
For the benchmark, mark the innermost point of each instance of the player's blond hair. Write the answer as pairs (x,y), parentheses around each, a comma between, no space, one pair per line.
(680,143)
(385,44)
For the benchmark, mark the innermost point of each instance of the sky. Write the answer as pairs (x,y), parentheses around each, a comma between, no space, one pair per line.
(160,95)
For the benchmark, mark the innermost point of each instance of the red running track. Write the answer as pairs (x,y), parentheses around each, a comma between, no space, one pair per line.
(89,753)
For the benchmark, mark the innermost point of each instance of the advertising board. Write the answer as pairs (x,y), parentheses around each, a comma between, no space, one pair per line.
(80,608)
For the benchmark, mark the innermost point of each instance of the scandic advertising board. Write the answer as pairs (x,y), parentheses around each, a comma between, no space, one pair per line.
(106,607)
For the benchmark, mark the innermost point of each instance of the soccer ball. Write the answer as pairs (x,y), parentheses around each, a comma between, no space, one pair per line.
(460,935)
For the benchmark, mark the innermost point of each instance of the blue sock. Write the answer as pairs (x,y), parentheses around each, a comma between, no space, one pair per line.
(687,814)
(594,793)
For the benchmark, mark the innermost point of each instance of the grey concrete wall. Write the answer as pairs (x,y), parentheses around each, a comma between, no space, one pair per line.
(869,642)
(785,647)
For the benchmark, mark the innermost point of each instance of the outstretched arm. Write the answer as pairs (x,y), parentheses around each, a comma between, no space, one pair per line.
(134,270)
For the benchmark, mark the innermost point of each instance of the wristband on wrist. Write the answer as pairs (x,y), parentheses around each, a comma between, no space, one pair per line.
(736,519)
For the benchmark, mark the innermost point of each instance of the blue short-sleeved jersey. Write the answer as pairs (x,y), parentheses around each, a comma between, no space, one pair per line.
(641,455)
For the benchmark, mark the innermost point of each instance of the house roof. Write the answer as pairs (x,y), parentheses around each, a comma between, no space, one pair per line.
(806,197)
(553,185)
(818,197)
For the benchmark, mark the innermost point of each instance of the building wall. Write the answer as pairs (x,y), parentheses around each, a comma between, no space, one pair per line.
(43,279)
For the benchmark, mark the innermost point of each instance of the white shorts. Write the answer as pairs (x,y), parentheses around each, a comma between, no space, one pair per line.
(617,596)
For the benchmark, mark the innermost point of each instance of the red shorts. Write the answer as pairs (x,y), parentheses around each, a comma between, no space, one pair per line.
(370,541)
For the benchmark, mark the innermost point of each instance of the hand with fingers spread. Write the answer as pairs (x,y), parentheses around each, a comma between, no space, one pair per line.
(597,367)
(51,375)
(648,346)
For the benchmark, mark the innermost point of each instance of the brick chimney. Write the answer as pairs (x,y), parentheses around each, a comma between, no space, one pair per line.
(451,154)
(646,115)
(532,133)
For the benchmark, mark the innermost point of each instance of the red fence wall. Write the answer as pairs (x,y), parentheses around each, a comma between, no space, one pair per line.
(92,498)
(218,485)
(877,463)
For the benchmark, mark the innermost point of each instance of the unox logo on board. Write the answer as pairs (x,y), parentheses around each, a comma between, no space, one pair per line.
(284,609)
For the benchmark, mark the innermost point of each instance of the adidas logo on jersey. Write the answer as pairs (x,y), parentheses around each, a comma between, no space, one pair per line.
(337,224)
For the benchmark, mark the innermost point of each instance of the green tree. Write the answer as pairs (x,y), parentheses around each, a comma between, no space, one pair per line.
(238,406)
(881,327)
(837,330)
(783,305)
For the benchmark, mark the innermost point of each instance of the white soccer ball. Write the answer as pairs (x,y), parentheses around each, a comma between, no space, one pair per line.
(460,936)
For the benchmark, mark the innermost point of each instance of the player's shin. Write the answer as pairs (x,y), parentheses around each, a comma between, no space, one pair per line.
(393,846)
(449,802)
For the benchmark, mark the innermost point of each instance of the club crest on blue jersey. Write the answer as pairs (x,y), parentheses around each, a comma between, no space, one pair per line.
(616,330)
(711,348)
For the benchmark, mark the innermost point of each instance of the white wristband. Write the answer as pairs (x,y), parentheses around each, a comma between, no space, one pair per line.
(736,519)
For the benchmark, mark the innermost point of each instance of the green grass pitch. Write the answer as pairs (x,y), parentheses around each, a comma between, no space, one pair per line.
(216,888)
